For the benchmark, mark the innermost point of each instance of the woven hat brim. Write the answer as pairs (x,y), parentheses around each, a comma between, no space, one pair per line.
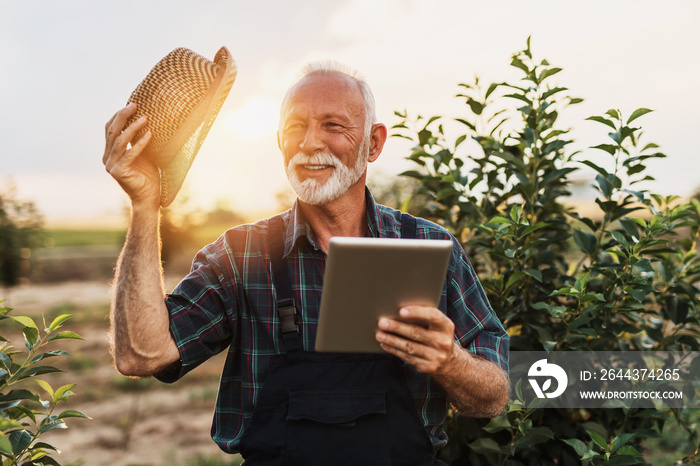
(195,129)
(175,153)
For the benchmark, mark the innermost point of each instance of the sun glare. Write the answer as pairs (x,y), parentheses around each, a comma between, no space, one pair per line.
(256,118)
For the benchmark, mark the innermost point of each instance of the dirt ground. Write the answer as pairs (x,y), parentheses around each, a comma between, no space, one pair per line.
(134,421)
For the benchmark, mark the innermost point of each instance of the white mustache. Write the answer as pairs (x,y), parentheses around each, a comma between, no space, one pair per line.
(322,158)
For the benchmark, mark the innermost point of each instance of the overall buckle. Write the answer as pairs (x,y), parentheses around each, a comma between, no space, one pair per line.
(287,312)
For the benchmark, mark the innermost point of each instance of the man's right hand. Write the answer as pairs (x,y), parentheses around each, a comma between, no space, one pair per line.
(138,176)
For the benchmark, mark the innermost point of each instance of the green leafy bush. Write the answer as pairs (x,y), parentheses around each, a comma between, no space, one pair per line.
(25,415)
(20,231)
(623,278)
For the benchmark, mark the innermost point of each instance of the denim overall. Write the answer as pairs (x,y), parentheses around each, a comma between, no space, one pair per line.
(331,408)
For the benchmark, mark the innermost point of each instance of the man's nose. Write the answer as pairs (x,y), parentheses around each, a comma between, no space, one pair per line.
(312,142)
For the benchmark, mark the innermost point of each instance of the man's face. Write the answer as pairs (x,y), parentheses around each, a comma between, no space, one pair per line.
(322,137)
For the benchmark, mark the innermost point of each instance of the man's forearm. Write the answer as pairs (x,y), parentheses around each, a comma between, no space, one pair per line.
(142,341)
(476,386)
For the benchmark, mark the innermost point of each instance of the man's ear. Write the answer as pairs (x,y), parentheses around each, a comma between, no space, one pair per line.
(377,138)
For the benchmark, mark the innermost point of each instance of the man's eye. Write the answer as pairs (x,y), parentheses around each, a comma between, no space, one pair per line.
(293,127)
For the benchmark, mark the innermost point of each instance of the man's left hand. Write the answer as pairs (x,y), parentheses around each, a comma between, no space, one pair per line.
(423,337)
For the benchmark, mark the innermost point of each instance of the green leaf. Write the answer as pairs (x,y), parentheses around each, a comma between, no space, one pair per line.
(644,265)
(62,393)
(476,107)
(595,167)
(638,194)
(556,174)
(490,90)
(516,62)
(51,423)
(19,394)
(485,445)
(48,461)
(637,113)
(5,445)
(580,447)
(5,360)
(641,222)
(628,450)
(515,212)
(65,335)
(31,336)
(620,238)
(536,274)
(424,136)
(460,140)
(58,321)
(24,320)
(585,241)
(36,370)
(513,278)
(609,148)
(497,424)
(37,454)
(44,385)
(49,354)
(638,295)
(605,186)
(602,120)
(621,440)
(547,73)
(466,123)
(433,118)
(553,91)
(519,97)
(72,413)
(413,174)
(499,219)
(598,439)
(613,113)
(20,440)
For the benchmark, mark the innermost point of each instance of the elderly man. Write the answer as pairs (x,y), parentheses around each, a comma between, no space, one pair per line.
(281,402)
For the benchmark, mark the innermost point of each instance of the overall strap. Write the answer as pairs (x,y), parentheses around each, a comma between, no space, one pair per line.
(285,304)
(408,226)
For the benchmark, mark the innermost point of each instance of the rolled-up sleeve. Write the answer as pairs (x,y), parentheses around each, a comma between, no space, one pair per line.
(477,328)
(200,307)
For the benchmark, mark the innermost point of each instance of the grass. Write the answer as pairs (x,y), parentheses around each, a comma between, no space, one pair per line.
(66,237)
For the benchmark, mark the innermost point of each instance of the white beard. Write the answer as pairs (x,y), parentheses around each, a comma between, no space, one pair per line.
(312,191)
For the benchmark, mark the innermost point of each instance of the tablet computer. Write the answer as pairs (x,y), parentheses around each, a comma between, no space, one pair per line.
(369,278)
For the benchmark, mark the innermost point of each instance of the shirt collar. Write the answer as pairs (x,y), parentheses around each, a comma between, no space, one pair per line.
(298,227)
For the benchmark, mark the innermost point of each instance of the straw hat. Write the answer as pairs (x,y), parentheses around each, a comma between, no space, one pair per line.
(181,96)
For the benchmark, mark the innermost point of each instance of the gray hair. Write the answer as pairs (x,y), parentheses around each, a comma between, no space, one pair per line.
(330,67)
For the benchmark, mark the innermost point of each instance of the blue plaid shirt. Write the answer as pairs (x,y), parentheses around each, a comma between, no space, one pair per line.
(228,301)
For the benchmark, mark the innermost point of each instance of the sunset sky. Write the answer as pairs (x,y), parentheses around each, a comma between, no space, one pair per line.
(69,66)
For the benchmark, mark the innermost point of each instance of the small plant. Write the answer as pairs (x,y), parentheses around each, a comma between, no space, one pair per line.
(25,415)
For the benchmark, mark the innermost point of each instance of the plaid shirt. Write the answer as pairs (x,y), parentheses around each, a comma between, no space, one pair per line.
(228,301)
